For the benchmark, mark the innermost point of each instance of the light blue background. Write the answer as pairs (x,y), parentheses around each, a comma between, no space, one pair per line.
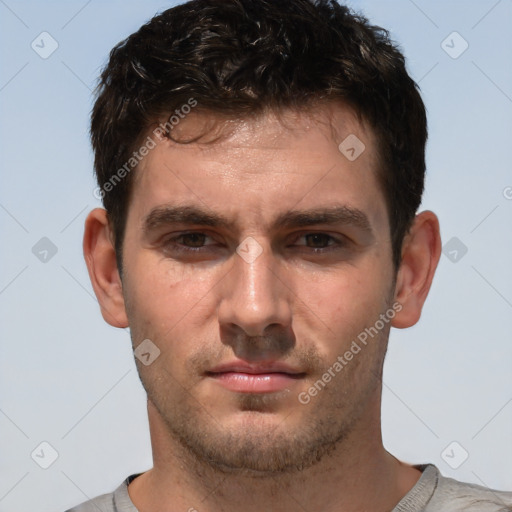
(69,379)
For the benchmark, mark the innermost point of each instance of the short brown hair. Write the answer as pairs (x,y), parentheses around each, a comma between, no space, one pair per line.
(239,57)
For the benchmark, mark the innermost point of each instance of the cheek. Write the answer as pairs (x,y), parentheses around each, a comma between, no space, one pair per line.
(340,306)
(163,295)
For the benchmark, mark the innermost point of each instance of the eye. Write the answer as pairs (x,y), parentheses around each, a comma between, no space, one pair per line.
(192,239)
(318,242)
(191,242)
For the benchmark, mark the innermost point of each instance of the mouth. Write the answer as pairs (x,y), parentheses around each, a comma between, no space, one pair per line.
(255,378)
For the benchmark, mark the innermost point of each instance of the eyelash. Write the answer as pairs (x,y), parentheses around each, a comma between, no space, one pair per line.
(174,244)
(336,243)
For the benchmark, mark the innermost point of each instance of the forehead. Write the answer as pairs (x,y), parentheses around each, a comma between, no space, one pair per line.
(256,168)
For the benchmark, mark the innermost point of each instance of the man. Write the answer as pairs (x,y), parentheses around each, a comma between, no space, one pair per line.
(261,163)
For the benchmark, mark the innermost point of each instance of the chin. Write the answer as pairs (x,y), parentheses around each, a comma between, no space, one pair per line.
(259,444)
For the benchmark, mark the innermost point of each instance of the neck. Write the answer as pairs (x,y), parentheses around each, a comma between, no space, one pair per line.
(359,474)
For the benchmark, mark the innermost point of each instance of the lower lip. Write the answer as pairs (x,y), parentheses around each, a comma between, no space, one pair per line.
(255,383)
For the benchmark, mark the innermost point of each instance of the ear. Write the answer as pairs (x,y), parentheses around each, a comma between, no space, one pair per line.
(421,251)
(100,257)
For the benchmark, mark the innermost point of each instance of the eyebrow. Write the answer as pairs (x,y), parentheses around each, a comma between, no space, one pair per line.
(164,215)
(329,216)
(168,214)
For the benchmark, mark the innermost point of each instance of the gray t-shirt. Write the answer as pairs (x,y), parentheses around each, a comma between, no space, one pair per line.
(432,493)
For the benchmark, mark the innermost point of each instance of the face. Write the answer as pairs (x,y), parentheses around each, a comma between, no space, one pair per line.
(254,263)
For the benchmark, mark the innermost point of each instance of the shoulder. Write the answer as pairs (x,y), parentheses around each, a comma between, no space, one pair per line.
(117,501)
(105,503)
(453,496)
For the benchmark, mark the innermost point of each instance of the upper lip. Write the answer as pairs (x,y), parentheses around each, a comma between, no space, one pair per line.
(255,368)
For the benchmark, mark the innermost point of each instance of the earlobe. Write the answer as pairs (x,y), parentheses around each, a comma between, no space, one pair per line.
(100,257)
(420,255)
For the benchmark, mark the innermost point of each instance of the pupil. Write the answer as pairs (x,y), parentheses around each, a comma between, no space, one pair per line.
(318,239)
(194,239)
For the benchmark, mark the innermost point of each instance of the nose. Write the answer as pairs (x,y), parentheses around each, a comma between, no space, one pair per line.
(255,298)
